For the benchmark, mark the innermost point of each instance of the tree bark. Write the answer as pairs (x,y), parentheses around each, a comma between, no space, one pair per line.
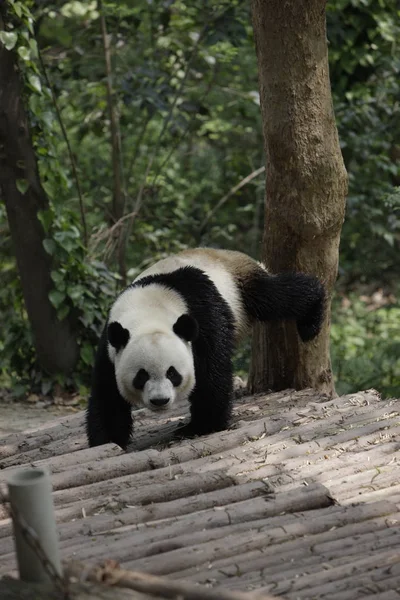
(55,343)
(306,182)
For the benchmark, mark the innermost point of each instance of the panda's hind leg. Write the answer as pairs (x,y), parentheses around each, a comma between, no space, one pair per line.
(285,296)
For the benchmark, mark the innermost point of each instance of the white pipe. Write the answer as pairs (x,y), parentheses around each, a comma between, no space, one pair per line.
(30,494)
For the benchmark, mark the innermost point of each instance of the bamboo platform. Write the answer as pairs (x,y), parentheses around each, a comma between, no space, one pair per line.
(299,499)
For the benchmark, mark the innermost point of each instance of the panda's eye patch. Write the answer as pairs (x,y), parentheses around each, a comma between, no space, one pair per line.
(174,377)
(140,379)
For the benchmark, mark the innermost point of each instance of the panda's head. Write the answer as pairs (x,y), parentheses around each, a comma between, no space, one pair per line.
(154,368)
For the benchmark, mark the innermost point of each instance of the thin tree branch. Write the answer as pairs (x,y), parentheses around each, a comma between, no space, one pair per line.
(185,131)
(178,92)
(109,233)
(118,192)
(138,144)
(70,153)
(224,199)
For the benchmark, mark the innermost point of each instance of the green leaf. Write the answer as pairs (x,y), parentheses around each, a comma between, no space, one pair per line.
(75,292)
(87,354)
(67,243)
(22,185)
(17,9)
(49,246)
(46,219)
(56,277)
(30,25)
(35,84)
(9,39)
(19,390)
(56,298)
(34,48)
(62,312)
(24,53)
(389,237)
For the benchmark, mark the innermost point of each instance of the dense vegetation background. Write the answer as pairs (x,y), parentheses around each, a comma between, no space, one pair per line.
(147,129)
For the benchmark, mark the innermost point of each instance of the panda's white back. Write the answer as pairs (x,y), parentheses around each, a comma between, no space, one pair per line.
(222,267)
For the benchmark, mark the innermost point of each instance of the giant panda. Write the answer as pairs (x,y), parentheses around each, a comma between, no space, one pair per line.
(171,334)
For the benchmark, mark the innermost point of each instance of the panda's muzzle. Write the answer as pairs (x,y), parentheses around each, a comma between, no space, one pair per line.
(159,402)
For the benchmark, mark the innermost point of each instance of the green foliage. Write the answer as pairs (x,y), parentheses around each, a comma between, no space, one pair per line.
(16,347)
(186,93)
(365,69)
(83,288)
(366,348)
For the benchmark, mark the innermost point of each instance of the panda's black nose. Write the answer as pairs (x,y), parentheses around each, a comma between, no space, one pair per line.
(159,401)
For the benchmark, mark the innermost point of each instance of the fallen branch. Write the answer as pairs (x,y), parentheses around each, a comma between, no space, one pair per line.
(110,573)
(14,589)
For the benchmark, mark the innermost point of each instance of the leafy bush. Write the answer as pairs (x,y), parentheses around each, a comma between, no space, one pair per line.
(365,347)
(83,287)
(364,68)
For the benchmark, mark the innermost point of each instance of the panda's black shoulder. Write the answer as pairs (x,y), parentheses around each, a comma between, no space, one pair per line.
(200,294)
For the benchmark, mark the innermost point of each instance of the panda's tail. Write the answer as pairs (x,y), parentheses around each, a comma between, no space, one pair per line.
(286,296)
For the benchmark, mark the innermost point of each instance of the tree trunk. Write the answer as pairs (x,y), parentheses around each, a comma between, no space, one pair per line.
(306,182)
(55,343)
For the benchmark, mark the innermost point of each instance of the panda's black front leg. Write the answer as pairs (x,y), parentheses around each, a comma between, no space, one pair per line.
(108,419)
(109,416)
(212,397)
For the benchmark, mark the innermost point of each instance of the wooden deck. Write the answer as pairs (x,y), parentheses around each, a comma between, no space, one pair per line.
(299,499)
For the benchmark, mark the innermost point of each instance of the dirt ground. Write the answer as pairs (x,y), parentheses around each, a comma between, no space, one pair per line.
(19,416)
(30,413)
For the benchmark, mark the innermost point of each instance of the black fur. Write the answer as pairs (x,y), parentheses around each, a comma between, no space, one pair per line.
(118,336)
(140,379)
(186,328)
(174,376)
(286,296)
(109,416)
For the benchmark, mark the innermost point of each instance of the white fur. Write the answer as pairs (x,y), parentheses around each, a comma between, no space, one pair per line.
(155,353)
(219,275)
(149,314)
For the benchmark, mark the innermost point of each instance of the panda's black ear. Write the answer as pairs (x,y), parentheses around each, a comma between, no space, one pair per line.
(118,336)
(186,328)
